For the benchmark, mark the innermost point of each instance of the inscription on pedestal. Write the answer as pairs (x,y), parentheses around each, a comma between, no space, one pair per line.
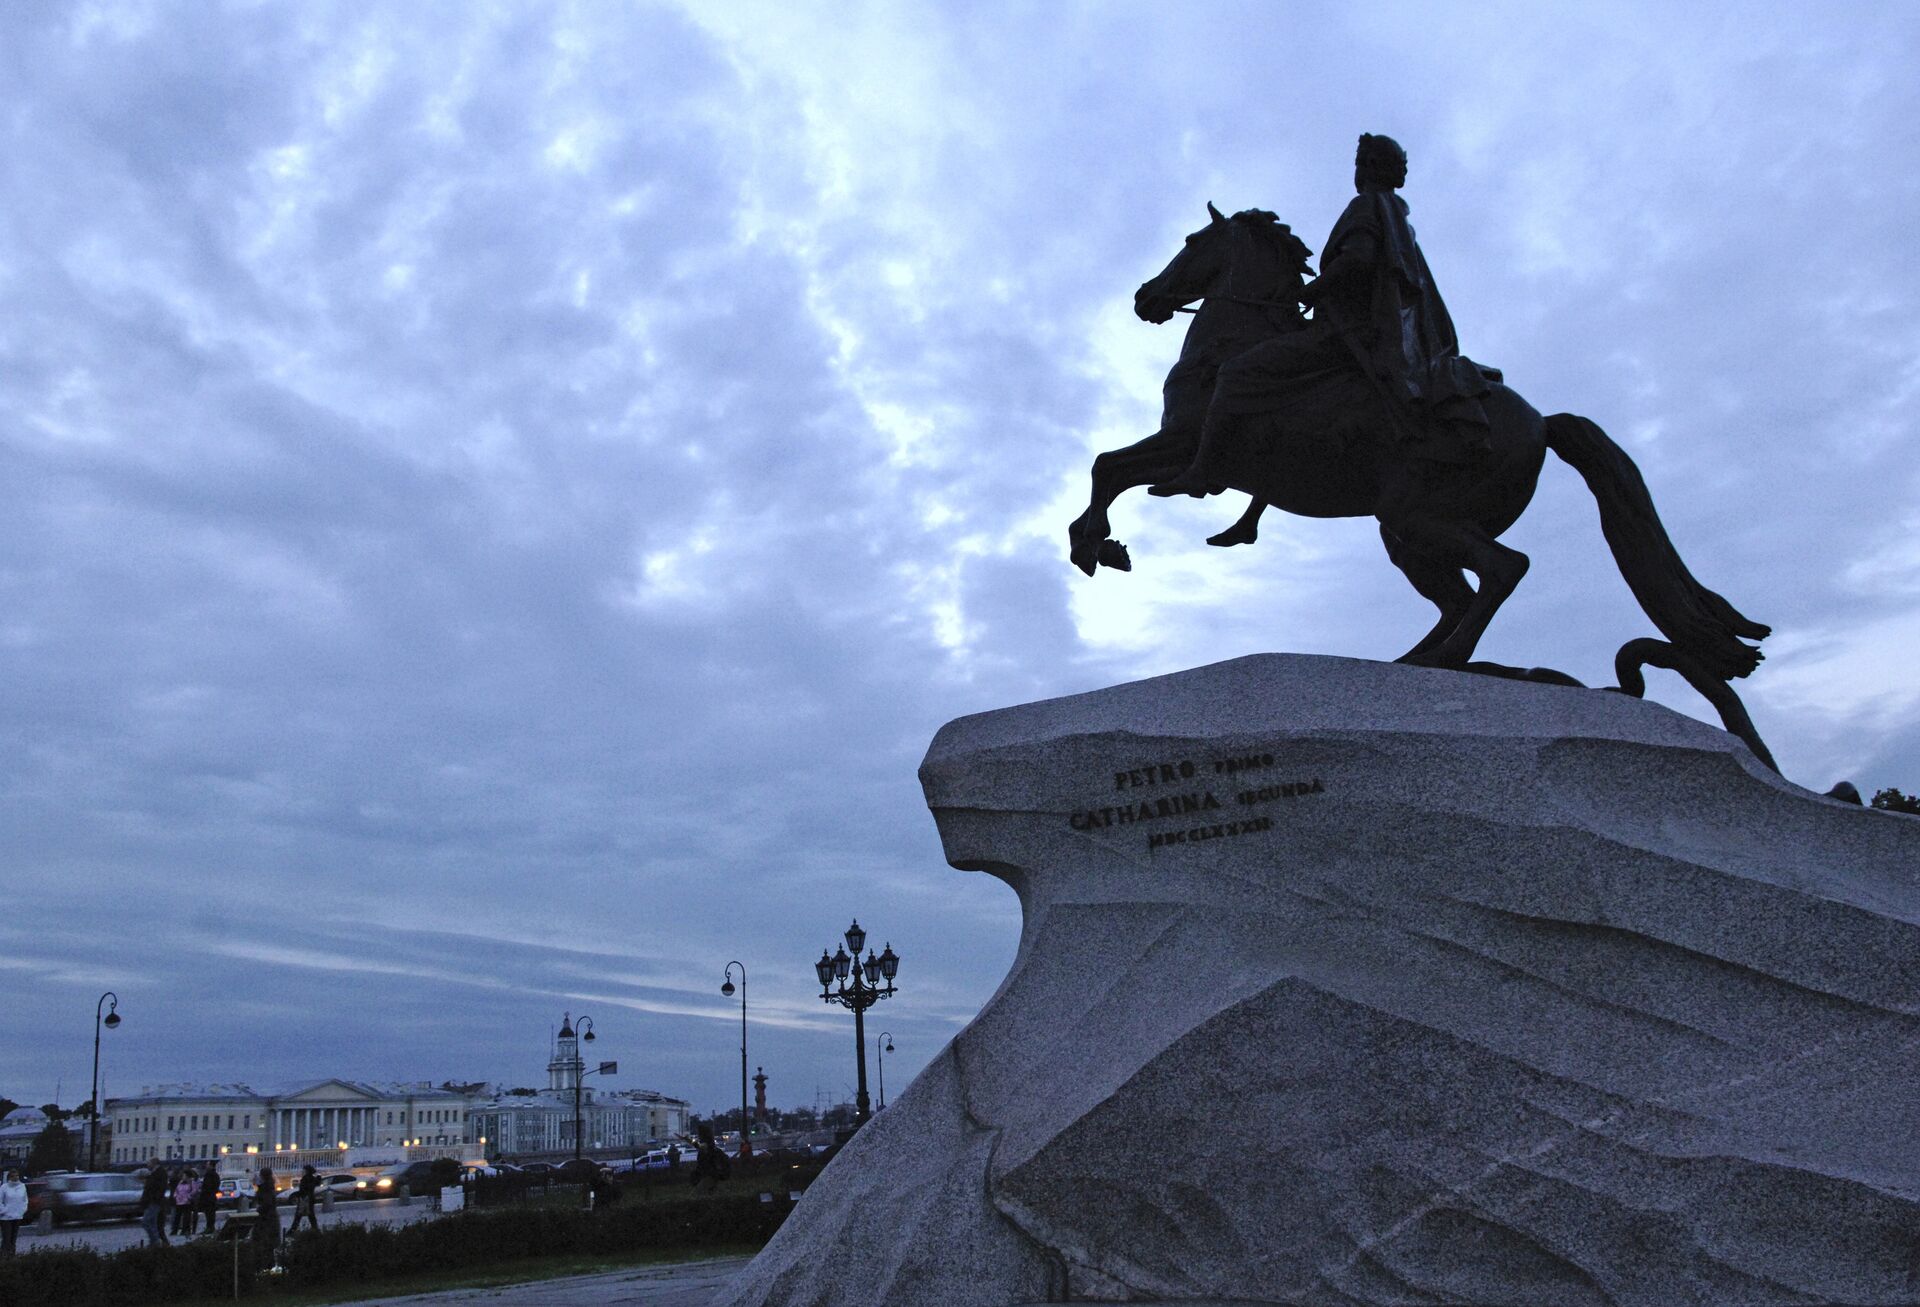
(1185,789)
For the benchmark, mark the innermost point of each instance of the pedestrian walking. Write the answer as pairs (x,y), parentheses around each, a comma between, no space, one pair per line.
(266,1201)
(155,1199)
(13,1210)
(304,1197)
(710,1163)
(208,1200)
(185,1189)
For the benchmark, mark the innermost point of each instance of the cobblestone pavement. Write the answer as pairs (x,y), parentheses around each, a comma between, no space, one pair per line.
(683,1284)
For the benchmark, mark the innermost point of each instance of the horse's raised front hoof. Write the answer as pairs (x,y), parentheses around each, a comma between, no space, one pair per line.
(1083,549)
(1114,554)
(1237,534)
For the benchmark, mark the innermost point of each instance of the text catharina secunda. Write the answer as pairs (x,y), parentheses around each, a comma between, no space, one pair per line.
(1192,801)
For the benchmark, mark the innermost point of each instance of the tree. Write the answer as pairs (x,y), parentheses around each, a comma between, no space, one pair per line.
(6,1105)
(53,1111)
(1894,801)
(52,1149)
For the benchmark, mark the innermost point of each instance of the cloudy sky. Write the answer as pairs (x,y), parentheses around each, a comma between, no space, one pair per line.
(495,499)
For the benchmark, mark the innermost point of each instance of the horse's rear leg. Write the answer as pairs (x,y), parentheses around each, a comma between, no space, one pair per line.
(1461,545)
(1440,582)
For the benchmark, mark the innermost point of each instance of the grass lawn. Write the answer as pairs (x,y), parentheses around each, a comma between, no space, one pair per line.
(520,1272)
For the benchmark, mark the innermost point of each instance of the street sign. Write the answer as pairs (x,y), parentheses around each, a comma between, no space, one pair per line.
(609,1069)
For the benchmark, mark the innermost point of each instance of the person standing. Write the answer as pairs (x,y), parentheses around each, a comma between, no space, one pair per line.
(13,1210)
(304,1198)
(154,1200)
(209,1199)
(185,1189)
(710,1163)
(266,1201)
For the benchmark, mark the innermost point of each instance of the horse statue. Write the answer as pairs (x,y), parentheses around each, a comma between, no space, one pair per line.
(1331,449)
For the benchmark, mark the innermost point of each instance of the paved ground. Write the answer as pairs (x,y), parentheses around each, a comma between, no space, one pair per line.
(684,1284)
(111,1236)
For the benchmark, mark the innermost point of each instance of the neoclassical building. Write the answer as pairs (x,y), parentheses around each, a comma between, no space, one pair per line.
(530,1123)
(330,1122)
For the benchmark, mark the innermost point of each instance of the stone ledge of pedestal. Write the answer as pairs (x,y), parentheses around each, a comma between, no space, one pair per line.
(1518,994)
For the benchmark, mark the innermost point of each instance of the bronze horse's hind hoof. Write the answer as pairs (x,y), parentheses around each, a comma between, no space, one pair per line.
(1114,554)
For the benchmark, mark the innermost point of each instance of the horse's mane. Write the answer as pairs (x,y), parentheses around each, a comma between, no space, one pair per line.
(1292,250)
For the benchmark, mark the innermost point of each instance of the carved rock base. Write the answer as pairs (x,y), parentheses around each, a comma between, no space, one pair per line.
(1354,983)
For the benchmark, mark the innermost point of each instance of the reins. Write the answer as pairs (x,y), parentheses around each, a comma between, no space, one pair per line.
(1241,299)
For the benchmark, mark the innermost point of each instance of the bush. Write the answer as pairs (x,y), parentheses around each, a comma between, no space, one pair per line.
(73,1277)
(358,1254)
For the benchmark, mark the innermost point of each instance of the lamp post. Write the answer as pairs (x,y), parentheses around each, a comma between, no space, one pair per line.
(880,1051)
(861,994)
(110,1002)
(579,1069)
(726,987)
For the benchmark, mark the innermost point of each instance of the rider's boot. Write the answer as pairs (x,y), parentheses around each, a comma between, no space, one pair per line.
(1194,481)
(1197,480)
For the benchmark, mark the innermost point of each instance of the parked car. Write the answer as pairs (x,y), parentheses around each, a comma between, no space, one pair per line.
(342,1184)
(88,1196)
(659,1159)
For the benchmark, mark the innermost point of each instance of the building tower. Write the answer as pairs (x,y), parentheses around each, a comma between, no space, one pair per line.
(759,1093)
(565,1069)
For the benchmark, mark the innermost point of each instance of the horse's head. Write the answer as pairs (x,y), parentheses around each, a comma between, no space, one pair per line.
(1252,255)
(1201,264)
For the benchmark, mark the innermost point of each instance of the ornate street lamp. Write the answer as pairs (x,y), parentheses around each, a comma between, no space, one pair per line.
(880,1052)
(726,987)
(864,991)
(579,1068)
(110,1002)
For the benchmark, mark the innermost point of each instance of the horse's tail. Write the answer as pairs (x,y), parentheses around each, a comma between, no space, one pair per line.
(1698,621)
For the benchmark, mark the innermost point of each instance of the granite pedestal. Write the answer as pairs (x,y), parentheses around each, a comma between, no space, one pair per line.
(1351,983)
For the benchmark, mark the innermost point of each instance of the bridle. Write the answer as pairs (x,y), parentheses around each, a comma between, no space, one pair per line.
(1227,295)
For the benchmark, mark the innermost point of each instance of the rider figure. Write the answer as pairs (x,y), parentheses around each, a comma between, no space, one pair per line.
(1376,310)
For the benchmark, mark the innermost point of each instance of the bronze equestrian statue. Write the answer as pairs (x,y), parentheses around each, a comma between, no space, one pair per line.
(1368,409)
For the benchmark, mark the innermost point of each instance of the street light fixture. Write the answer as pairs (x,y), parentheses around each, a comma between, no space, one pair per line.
(880,1052)
(726,987)
(579,1068)
(110,1001)
(862,994)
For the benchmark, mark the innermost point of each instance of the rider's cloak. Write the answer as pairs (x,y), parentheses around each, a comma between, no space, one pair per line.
(1399,322)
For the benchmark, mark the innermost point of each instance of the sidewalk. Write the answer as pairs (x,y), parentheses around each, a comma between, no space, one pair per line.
(684,1284)
(117,1235)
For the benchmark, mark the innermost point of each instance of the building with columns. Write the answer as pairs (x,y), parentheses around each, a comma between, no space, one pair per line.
(326,1122)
